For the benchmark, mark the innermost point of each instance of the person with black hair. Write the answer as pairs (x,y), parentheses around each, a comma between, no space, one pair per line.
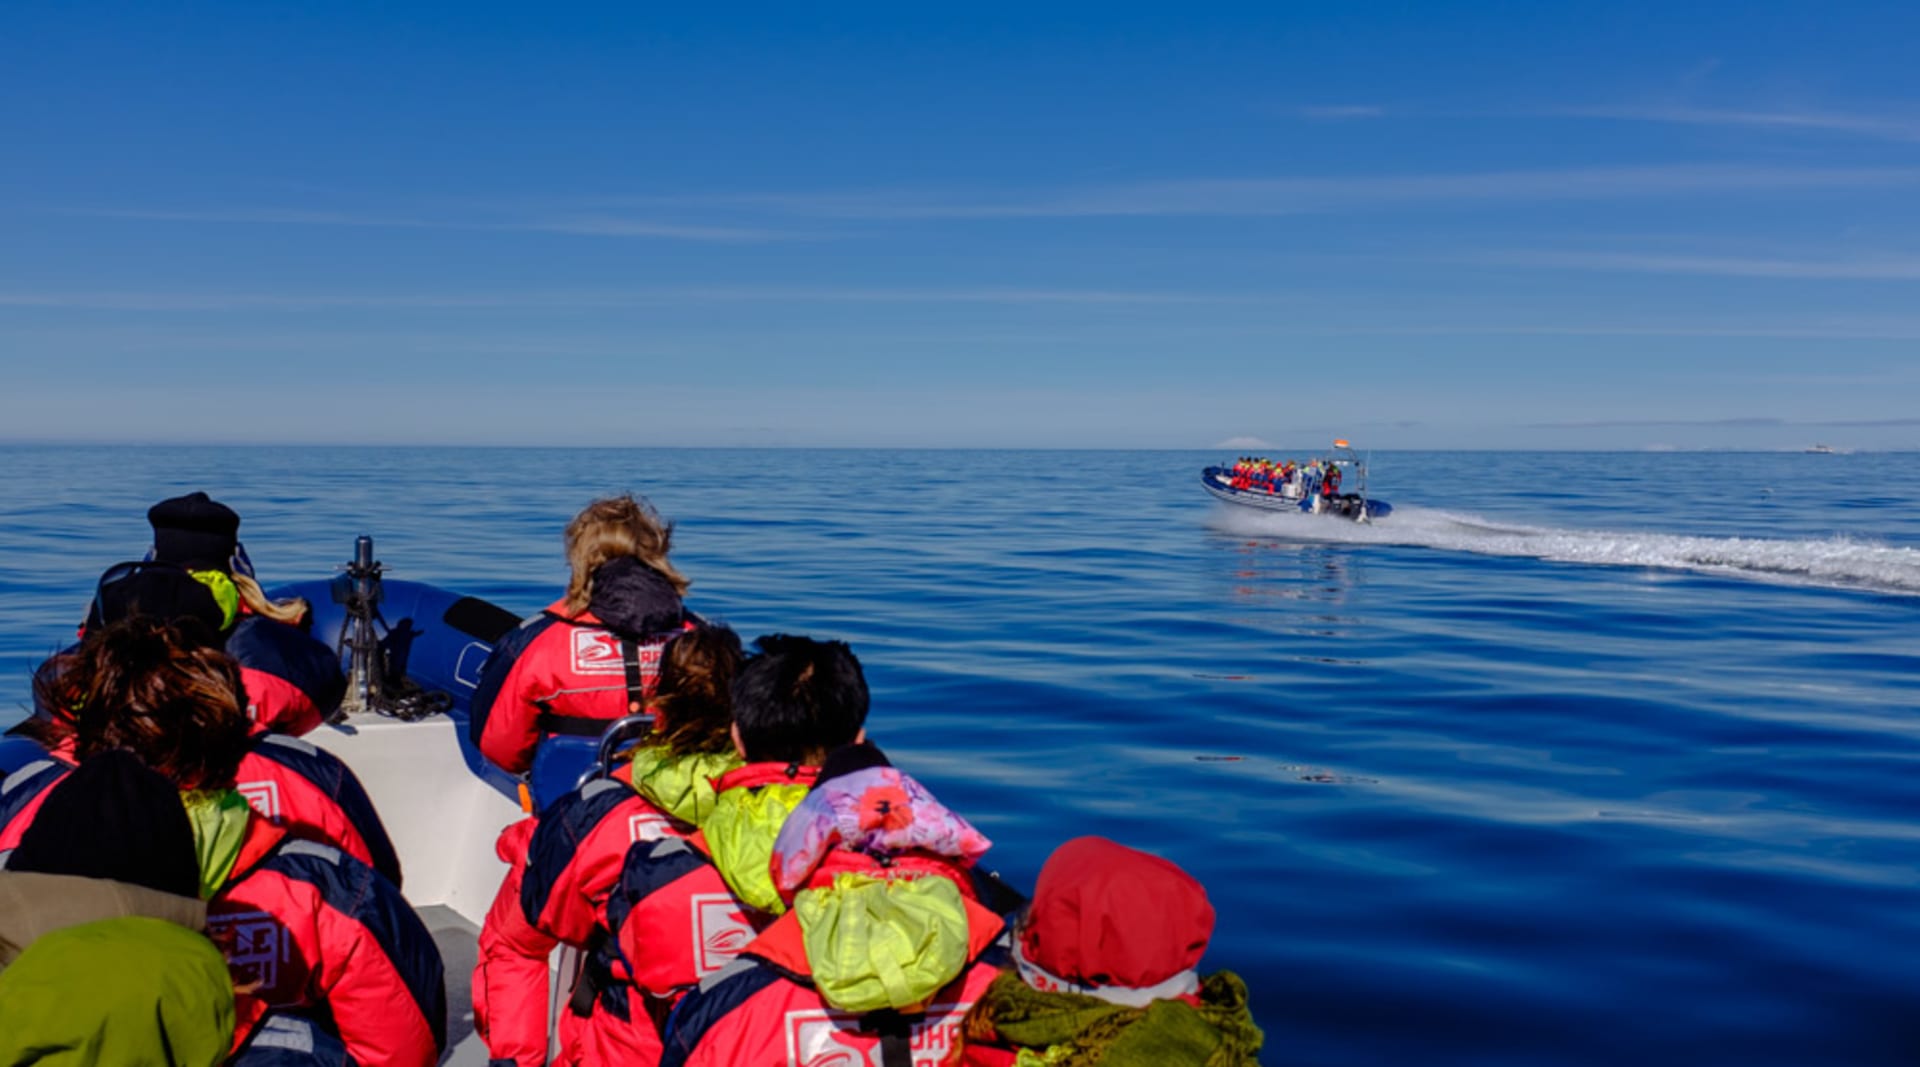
(882,945)
(791,705)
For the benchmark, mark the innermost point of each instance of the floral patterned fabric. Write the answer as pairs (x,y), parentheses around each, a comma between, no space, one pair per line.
(876,810)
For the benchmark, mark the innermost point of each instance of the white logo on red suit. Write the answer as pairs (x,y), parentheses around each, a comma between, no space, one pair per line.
(648,826)
(596,652)
(720,931)
(821,1038)
(264,796)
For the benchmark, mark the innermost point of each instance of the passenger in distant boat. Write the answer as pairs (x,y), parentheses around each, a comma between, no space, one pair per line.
(295,785)
(293,681)
(1103,972)
(876,955)
(104,957)
(561,891)
(309,927)
(594,655)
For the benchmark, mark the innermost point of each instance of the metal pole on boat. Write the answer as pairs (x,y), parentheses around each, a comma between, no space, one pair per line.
(362,641)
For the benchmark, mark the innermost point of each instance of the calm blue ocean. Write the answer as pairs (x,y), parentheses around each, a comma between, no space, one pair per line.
(1576,759)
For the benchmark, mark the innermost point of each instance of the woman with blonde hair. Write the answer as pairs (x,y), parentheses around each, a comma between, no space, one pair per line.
(553,685)
(608,529)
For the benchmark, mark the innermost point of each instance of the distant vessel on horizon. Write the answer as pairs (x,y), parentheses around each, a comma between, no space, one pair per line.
(1825,450)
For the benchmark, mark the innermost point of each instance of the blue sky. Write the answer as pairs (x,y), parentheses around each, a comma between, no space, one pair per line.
(1474,225)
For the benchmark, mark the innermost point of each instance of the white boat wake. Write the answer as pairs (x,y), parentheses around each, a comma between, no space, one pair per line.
(1839,562)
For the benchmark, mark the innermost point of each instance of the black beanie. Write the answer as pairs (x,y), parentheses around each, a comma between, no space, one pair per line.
(157,591)
(194,531)
(113,817)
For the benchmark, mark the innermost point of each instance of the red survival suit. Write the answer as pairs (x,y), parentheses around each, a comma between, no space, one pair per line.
(870,862)
(293,681)
(293,784)
(606,864)
(307,928)
(571,675)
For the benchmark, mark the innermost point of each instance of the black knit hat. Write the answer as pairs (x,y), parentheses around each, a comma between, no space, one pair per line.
(113,817)
(194,531)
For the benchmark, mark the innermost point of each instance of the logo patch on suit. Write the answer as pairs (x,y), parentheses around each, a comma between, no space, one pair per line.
(647,826)
(720,931)
(258,948)
(821,1038)
(596,652)
(263,797)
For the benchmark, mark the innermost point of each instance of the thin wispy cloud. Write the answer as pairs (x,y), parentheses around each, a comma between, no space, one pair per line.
(1340,112)
(1859,268)
(1882,127)
(1274,196)
(611,226)
(579,225)
(771,216)
(162,301)
(1185,313)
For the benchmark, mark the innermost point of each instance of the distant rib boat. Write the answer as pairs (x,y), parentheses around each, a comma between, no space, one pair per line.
(1313,487)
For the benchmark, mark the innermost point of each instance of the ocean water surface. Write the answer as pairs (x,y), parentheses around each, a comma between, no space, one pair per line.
(1576,759)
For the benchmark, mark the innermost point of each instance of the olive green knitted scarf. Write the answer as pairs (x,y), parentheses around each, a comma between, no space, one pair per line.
(1073,1030)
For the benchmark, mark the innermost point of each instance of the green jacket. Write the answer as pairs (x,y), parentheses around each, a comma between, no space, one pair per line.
(99,972)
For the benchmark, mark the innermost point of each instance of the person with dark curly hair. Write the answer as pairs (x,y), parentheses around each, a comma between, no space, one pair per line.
(305,926)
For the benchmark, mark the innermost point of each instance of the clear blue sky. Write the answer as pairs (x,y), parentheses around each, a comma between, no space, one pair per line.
(1479,225)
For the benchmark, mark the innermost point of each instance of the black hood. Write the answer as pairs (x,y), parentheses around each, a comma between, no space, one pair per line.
(633,599)
(160,591)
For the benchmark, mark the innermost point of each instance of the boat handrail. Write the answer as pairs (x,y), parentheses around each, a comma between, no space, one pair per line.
(624,729)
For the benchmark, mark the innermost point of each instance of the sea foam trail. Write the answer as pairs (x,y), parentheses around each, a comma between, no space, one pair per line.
(1839,562)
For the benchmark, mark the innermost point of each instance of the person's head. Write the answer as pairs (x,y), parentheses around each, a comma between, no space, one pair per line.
(798,700)
(144,685)
(195,532)
(609,529)
(201,536)
(1115,923)
(693,702)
